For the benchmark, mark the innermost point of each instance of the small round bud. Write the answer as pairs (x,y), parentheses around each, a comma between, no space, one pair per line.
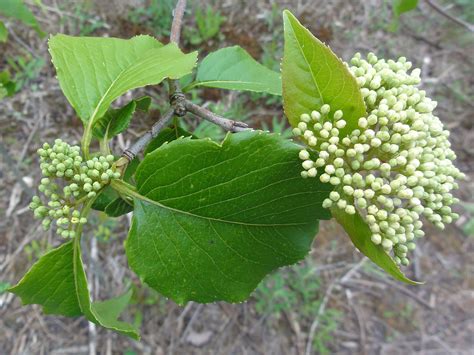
(307,164)
(304,155)
(376,239)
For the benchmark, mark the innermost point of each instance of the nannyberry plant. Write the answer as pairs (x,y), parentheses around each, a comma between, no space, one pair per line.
(211,220)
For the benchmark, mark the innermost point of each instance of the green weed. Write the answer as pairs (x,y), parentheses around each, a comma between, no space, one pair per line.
(36,249)
(25,69)
(208,23)
(297,288)
(156,15)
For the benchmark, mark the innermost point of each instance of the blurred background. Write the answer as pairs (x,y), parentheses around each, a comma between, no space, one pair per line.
(336,301)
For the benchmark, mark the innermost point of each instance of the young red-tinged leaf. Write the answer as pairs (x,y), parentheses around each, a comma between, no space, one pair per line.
(313,75)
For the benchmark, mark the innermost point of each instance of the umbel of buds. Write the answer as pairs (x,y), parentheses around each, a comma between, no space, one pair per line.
(396,169)
(81,180)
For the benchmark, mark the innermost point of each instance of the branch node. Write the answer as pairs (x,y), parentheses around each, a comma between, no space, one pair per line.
(177,101)
(128,154)
(240,124)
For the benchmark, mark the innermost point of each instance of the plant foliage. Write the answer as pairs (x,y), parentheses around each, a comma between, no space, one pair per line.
(210,219)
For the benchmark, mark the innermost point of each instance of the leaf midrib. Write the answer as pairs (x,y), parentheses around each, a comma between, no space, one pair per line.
(307,63)
(139,196)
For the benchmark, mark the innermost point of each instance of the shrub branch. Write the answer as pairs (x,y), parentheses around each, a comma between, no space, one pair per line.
(179,105)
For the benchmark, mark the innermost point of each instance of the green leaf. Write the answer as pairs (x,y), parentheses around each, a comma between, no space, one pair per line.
(105,197)
(210,220)
(111,309)
(93,72)
(313,75)
(18,10)
(116,121)
(57,282)
(234,69)
(118,207)
(4,286)
(50,283)
(167,135)
(3,32)
(360,233)
(7,87)
(400,7)
(104,313)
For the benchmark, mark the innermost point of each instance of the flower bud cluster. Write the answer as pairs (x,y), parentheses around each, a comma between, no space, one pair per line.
(396,167)
(81,180)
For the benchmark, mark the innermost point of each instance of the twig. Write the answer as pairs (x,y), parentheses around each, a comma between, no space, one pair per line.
(456,20)
(359,318)
(175,37)
(131,152)
(314,325)
(228,125)
(176,97)
(179,105)
(177,21)
(22,43)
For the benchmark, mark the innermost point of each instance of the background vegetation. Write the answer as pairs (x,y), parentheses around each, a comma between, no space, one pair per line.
(337,301)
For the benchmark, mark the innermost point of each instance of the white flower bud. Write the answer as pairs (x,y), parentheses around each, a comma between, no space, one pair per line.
(334,195)
(325,109)
(307,164)
(304,155)
(296,132)
(305,117)
(324,178)
(327,203)
(376,239)
(396,166)
(329,169)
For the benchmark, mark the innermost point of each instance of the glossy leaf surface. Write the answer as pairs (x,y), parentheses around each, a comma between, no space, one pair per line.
(210,220)
(313,75)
